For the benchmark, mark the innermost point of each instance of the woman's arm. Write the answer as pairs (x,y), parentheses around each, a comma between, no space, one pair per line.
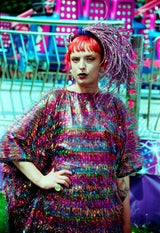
(44,181)
(123,190)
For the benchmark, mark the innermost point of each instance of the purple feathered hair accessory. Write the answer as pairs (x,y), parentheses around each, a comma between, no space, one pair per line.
(118,55)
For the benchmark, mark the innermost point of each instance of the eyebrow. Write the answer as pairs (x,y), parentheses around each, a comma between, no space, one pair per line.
(86,56)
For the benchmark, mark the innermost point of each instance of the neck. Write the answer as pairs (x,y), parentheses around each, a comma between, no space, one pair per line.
(83,89)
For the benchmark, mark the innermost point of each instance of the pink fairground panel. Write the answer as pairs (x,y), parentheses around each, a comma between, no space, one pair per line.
(66,10)
(96,9)
(5,37)
(123,10)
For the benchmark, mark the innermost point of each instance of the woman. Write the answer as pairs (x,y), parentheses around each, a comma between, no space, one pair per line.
(68,159)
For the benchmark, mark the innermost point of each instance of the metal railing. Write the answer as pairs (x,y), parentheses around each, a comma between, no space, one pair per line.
(151,82)
(23,58)
(18,59)
(135,85)
(66,22)
(34,61)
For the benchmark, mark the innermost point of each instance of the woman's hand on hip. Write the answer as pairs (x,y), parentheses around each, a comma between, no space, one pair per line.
(56,177)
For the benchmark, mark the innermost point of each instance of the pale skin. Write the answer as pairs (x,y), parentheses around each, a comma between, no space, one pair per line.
(86,67)
(123,190)
(44,181)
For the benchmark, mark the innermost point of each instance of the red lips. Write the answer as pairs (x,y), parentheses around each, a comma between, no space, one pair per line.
(82,75)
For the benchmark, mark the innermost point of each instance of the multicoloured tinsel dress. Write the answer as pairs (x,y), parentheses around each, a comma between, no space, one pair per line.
(91,134)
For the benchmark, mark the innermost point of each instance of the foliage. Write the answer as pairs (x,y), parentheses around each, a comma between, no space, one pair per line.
(3,214)
(142,230)
(16,7)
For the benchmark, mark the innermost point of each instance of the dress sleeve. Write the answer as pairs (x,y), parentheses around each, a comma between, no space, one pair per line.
(23,139)
(128,152)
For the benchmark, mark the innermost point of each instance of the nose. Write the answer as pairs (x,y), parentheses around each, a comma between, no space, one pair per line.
(82,64)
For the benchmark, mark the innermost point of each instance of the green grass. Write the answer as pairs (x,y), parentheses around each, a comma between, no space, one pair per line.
(138,230)
(3,214)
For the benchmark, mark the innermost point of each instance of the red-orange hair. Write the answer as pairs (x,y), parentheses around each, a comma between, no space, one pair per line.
(81,43)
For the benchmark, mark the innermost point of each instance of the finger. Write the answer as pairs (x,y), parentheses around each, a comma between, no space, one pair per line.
(66,182)
(67,172)
(67,179)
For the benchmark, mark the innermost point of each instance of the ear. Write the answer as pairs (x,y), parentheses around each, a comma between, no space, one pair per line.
(102,68)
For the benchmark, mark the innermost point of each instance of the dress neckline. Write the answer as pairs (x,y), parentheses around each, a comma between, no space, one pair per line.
(83,93)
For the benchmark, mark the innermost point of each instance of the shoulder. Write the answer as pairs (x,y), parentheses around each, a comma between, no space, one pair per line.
(46,103)
(124,115)
(53,93)
(52,96)
(112,101)
(120,105)
(118,111)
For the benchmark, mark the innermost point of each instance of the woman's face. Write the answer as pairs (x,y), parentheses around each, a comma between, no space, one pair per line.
(85,68)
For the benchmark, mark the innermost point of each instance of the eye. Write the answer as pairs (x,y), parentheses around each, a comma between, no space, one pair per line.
(75,59)
(91,58)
